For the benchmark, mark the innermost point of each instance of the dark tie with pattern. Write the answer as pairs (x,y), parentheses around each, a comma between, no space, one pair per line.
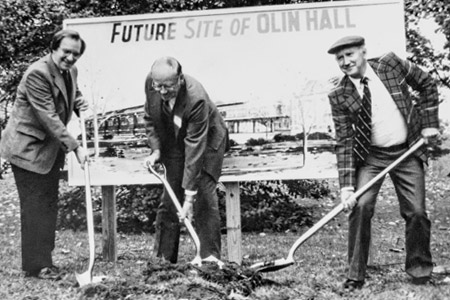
(166,107)
(68,82)
(363,125)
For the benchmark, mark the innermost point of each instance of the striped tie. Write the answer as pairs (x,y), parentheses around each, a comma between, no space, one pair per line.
(363,125)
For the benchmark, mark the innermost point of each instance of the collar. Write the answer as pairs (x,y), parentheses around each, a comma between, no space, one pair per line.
(370,74)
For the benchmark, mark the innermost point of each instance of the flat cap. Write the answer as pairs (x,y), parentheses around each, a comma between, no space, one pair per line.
(345,42)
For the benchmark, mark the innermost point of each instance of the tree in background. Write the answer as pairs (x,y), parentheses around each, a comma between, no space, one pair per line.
(27,25)
(25,29)
(437,61)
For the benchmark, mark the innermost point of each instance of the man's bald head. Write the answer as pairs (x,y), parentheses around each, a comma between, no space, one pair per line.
(167,77)
(165,68)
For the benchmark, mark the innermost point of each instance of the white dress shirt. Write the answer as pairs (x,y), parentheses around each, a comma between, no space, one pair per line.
(388,125)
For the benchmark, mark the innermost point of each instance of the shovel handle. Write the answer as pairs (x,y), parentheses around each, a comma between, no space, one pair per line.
(328,217)
(89,209)
(83,131)
(166,184)
(177,204)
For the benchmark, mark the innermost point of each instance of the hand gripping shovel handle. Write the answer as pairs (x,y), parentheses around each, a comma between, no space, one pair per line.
(197,260)
(281,263)
(86,277)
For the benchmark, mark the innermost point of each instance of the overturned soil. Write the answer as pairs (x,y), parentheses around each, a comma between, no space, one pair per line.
(183,281)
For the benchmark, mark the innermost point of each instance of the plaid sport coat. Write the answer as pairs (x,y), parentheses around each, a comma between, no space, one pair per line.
(398,76)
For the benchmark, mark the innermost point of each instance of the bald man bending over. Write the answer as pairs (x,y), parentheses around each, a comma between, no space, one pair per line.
(188,135)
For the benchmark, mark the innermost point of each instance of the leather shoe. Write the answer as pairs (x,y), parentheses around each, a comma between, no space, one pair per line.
(50,273)
(422,280)
(351,284)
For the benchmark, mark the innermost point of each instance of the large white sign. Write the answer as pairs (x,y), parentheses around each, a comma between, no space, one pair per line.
(256,62)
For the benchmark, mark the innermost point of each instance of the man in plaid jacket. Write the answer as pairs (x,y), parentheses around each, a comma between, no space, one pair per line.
(398,120)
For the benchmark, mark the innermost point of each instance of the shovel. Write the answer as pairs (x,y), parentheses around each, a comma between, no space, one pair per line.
(162,177)
(86,277)
(281,263)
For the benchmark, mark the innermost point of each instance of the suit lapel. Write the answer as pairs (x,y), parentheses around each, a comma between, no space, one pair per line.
(73,89)
(155,108)
(178,110)
(58,80)
(392,86)
(351,94)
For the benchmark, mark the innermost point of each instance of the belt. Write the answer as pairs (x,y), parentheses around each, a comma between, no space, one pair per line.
(393,148)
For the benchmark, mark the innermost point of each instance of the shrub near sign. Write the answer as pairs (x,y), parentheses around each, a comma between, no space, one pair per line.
(266,68)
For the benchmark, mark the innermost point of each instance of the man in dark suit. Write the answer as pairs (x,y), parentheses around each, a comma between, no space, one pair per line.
(35,142)
(376,120)
(188,135)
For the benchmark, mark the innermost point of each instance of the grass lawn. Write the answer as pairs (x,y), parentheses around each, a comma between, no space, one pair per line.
(318,273)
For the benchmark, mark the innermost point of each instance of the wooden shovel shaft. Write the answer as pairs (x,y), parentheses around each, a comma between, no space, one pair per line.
(187,223)
(328,217)
(89,209)
(177,204)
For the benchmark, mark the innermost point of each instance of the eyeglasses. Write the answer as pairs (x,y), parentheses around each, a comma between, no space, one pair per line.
(67,52)
(169,88)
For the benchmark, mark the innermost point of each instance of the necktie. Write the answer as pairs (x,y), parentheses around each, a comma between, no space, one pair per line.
(166,107)
(363,125)
(68,82)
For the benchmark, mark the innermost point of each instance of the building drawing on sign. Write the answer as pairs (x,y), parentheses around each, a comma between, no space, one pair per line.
(305,112)
(247,120)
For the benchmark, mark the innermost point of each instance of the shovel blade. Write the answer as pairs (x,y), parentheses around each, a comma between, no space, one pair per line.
(197,261)
(84,278)
(270,266)
(213,259)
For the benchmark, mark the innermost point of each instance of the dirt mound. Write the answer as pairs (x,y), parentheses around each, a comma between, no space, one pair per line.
(182,281)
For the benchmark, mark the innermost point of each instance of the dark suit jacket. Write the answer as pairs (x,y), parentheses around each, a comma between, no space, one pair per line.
(36,129)
(398,76)
(202,136)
